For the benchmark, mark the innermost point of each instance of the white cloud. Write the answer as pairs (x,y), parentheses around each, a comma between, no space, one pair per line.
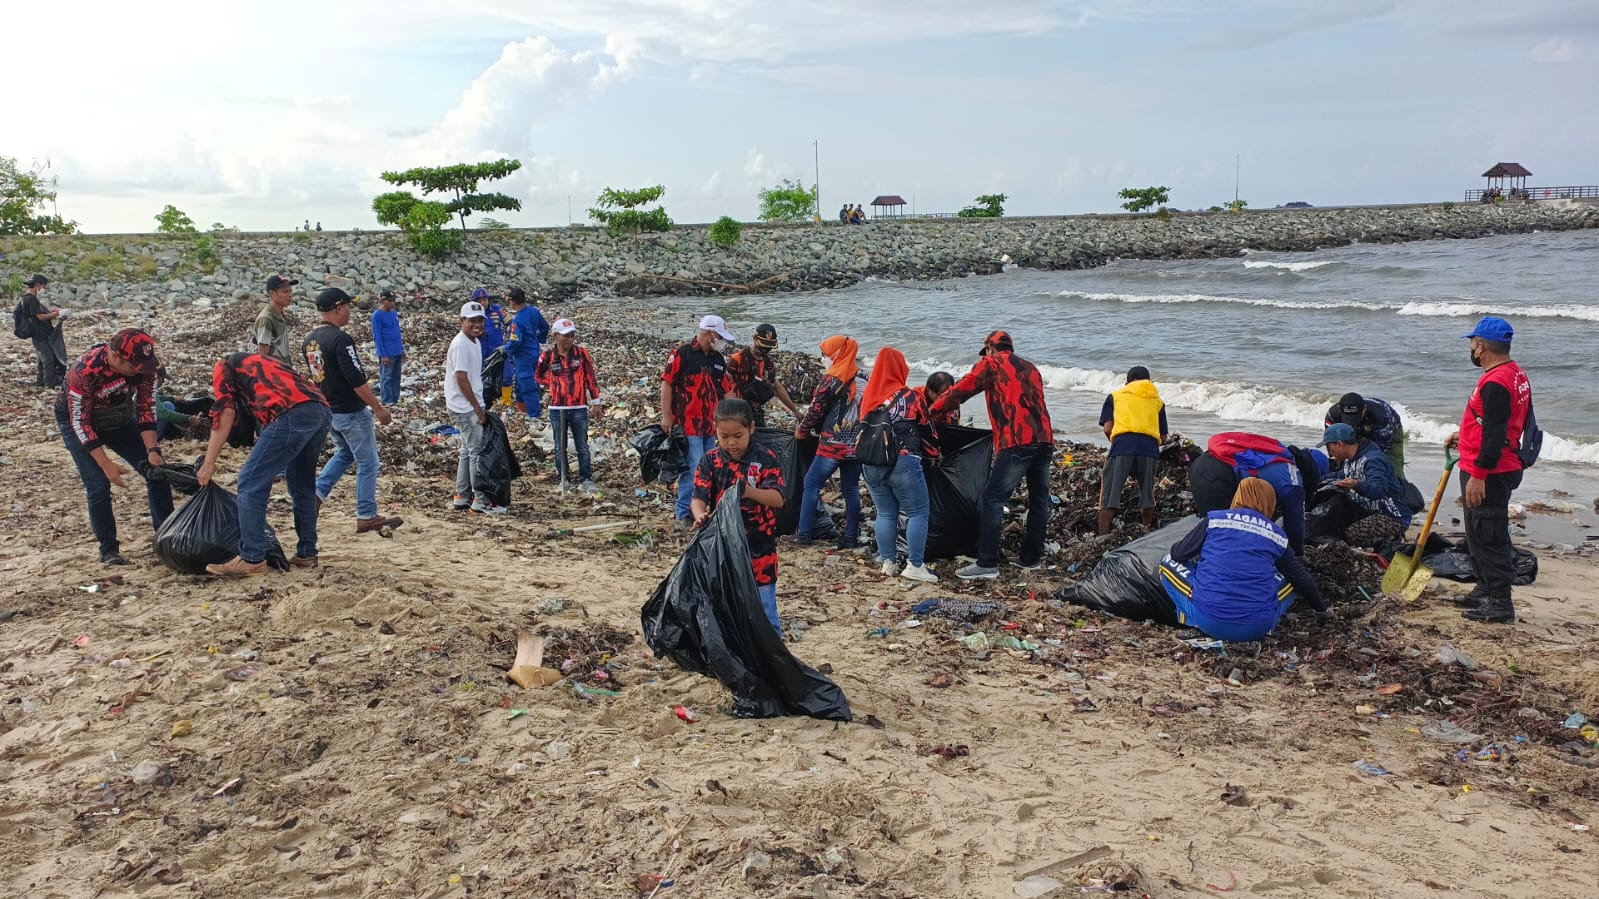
(1557,49)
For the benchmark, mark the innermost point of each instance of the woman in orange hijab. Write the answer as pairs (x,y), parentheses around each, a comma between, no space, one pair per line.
(834,416)
(900,487)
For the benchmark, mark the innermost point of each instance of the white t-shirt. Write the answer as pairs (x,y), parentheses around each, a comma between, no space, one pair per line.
(465,355)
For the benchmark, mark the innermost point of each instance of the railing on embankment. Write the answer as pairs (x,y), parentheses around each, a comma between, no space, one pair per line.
(1584,192)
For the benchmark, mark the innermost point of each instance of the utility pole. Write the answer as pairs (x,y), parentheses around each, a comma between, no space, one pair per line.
(568,210)
(816,150)
(1238,168)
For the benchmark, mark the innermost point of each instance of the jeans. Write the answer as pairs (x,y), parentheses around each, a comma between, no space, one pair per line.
(576,421)
(291,444)
(473,436)
(1488,533)
(51,348)
(355,440)
(526,390)
(901,490)
(849,480)
(697,447)
(1010,466)
(389,380)
(768,594)
(126,443)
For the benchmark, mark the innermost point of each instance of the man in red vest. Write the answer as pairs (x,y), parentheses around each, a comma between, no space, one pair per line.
(1490,467)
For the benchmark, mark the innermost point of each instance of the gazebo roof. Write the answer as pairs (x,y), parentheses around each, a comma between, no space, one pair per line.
(1507,170)
(889,200)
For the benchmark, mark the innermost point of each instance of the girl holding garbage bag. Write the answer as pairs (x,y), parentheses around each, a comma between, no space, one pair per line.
(1234,575)
(737,458)
(897,415)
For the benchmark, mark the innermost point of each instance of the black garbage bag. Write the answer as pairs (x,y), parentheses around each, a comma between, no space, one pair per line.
(1331,513)
(708,618)
(181,475)
(796,456)
(1126,583)
(493,374)
(661,457)
(1449,560)
(498,466)
(954,489)
(205,531)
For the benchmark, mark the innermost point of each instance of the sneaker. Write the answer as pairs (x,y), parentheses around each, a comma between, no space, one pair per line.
(890,568)
(483,507)
(589,488)
(113,557)
(683,525)
(304,562)
(563,488)
(460,504)
(919,573)
(797,541)
(1026,566)
(237,567)
(976,572)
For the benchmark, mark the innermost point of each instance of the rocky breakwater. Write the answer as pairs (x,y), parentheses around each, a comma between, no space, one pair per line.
(162,272)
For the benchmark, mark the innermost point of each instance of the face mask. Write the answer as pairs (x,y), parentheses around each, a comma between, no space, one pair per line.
(719,345)
(1476,358)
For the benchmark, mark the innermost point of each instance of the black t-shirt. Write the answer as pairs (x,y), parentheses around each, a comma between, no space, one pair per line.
(335,367)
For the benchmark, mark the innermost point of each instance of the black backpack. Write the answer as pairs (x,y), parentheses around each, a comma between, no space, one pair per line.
(23,324)
(877,443)
(1531,439)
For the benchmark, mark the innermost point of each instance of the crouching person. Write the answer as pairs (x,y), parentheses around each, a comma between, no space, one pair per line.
(1234,575)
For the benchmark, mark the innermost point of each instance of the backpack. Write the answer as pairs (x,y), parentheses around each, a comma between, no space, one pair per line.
(23,325)
(1531,439)
(877,443)
(1247,454)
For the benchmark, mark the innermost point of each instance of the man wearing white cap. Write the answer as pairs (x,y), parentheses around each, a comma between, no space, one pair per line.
(567,375)
(694,381)
(463,397)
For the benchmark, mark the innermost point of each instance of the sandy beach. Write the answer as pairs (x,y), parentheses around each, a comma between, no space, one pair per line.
(349,730)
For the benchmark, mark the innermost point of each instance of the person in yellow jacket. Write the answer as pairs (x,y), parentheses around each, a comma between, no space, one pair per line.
(1134,418)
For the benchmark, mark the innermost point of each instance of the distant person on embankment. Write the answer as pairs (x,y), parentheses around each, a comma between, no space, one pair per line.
(1374,420)
(1491,440)
(1134,419)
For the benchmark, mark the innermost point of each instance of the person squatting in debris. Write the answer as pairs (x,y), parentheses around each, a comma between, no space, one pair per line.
(693,383)
(1234,455)
(108,403)
(1372,498)
(901,486)
(1024,445)
(738,460)
(1234,575)
(294,419)
(567,372)
(834,416)
(754,373)
(1134,419)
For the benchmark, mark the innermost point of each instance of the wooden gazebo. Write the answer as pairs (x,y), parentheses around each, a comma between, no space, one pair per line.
(1507,178)
(888,206)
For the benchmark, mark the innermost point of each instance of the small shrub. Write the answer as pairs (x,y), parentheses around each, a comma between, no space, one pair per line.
(1163,214)
(988,206)
(1448,205)
(725,232)
(618,211)
(489,224)
(205,252)
(1237,205)
(172,220)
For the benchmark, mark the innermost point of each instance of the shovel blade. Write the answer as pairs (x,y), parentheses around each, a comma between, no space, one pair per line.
(1417,583)
(1398,574)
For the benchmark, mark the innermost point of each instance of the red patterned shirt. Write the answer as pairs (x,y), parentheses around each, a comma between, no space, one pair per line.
(569,379)
(1015,393)
(266,386)
(92,386)
(699,380)
(759,468)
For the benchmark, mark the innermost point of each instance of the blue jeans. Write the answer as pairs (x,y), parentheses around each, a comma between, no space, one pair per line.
(355,440)
(291,444)
(768,595)
(127,443)
(902,491)
(1010,466)
(577,422)
(697,447)
(849,480)
(389,380)
(526,389)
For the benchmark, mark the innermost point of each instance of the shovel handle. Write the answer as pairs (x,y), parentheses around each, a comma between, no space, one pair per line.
(1450,460)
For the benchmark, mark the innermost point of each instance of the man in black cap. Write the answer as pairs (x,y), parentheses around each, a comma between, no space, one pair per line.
(48,341)
(272,325)
(754,374)
(335,369)
(1374,420)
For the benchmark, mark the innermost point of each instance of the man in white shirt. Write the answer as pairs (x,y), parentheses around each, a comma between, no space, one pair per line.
(463,397)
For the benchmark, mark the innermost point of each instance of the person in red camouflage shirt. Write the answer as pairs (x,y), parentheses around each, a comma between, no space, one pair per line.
(735,460)
(108,402)
(294,420)
(754,374)
(1023,446)
(694,381)
(567,372)
(834,417)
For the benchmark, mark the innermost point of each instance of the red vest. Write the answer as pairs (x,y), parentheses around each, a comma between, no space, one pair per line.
(1512,378)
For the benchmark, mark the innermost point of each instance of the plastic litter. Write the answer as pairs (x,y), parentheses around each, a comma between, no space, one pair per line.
(1576,721)
(1449,655)
(1449,732)
(684,713)
(976,642)
(1372,769)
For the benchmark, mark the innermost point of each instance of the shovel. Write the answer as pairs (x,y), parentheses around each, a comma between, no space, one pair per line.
(1406,576)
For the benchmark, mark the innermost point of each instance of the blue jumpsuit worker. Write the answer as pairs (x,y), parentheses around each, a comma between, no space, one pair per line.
(526,332)
(1234,575)
(494,327)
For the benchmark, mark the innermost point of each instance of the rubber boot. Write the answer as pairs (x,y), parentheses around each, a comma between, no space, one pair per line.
(1494,610)
(1469,600)
(1107,517)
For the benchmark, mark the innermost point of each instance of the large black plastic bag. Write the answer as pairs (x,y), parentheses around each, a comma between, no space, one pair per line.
(498,466)
(955,489)
(493,373)
(707,617)
(205,531)
(1452,562)
(796,456)
(1126,583)
(661,457)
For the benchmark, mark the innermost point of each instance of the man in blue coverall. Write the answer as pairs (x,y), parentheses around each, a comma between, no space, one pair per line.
(526,332)
(390,347)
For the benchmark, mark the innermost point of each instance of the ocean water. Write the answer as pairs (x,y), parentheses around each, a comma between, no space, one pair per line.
(1263,342)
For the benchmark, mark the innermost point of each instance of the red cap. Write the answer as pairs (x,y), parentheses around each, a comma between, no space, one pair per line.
(135,345)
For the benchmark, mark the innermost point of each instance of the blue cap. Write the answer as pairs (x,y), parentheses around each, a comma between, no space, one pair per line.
(1338,433)
(1492,328)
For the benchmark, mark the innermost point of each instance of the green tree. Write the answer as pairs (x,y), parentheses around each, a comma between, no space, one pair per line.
(1237,205)
(989,206)
(461,180)
(421,221)
(789,201)
(619,212)
(24,193)
(1142,198)
(726,231)
(172,220)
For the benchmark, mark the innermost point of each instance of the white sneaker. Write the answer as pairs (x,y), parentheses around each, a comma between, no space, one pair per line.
(890,568)
(590,488)
(919,573)
(483,507)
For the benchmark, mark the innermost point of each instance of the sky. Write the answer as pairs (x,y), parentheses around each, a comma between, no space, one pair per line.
(262,116)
